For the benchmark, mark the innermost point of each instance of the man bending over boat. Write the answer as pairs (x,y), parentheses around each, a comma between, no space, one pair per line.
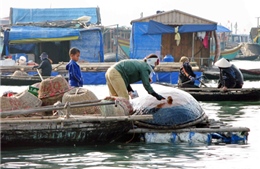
(186,75)
(45,65)
(125,72)
(228,77)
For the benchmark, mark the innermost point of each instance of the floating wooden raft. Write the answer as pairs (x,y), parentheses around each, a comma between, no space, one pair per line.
(99,67)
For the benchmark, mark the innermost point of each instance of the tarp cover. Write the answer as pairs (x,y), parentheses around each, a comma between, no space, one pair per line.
(20,15)
(160,28)
(142,44)
(21,34)
(90,45)
(221,28)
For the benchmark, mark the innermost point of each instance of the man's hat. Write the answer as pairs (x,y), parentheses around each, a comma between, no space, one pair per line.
(223,63)
(43,55)
(152,59)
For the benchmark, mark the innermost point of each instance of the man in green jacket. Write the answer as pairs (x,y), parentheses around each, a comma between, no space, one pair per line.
(123,73)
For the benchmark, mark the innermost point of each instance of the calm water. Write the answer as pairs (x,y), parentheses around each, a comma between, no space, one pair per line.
(142,155)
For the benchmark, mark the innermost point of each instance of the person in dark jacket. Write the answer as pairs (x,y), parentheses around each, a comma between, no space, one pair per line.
(186,75)
(125,72)
(45,65)
(227,76)
(75,77)
(239,76)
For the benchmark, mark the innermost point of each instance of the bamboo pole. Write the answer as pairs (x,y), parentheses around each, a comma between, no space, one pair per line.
(39,74)
(199,130)
(51,108)
(86,118)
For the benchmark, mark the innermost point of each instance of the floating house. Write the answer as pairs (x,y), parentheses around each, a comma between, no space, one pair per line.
(173,33)
(33,31)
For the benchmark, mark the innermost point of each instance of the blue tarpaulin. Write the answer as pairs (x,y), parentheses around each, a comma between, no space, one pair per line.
(20,15)
(221,28)
(160,28)
(90,45)
(142,45)
(37,34)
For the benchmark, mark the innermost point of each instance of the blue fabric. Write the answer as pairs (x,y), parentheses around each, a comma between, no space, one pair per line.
(142,45)
(94,78)
(221,28)
(160,28)
(197,28)
(34,32)
(90,45)
(75,77)
(21,15)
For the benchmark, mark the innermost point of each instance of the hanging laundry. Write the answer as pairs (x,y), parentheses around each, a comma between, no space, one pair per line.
(206,40)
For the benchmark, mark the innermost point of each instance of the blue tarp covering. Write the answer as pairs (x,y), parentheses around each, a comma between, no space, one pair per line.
(221,28)
(90,45)
(20,15)
(160,28)
(142,45)
(33,32)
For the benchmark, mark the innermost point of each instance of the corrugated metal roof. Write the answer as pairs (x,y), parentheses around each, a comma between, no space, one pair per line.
(175,17)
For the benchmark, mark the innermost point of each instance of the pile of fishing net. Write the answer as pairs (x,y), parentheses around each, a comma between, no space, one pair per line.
(19,73)
(80,95)
(52,89)
(24,100)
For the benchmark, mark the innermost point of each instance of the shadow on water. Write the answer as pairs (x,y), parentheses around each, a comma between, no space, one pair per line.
(112,155)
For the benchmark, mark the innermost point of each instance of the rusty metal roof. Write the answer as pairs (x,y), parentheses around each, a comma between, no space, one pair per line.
(175,17)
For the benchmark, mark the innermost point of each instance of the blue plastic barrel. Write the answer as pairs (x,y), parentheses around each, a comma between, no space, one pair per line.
(168,58)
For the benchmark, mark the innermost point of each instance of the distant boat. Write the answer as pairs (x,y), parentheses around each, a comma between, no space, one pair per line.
(229,53)
(249,51)
(124,45)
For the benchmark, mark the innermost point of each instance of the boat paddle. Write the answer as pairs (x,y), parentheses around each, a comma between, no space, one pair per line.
(39,73)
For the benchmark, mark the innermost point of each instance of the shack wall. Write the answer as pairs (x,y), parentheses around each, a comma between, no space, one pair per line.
(169,46)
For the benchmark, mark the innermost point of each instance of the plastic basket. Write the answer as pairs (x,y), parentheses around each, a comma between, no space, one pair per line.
(33,90)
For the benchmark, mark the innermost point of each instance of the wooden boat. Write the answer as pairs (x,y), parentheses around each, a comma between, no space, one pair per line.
(249,74)
(229,53)
(215,94)
(64,130)
(21,80)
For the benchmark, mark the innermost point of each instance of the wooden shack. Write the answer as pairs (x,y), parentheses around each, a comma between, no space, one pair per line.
(191,44)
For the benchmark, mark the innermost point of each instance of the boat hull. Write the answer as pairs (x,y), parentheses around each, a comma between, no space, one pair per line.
(21,81)
(231,95)
(61,133)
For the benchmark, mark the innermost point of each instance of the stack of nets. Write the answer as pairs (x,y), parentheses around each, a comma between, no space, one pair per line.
(123,107)
(51,90)
(80,95)
(19,73)
(24,100)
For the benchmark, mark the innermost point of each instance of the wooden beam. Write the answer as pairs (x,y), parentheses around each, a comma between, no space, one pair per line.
(199,130)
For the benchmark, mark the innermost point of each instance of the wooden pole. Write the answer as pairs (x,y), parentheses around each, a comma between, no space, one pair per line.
(199,130)
(86,118)
(44,109)
(192,50)
(39,74)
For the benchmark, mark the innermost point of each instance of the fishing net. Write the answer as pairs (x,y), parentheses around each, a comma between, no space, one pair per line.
(24,100)
(80,95)
(51,90)
(179,109)
(121,108)
(19,73)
